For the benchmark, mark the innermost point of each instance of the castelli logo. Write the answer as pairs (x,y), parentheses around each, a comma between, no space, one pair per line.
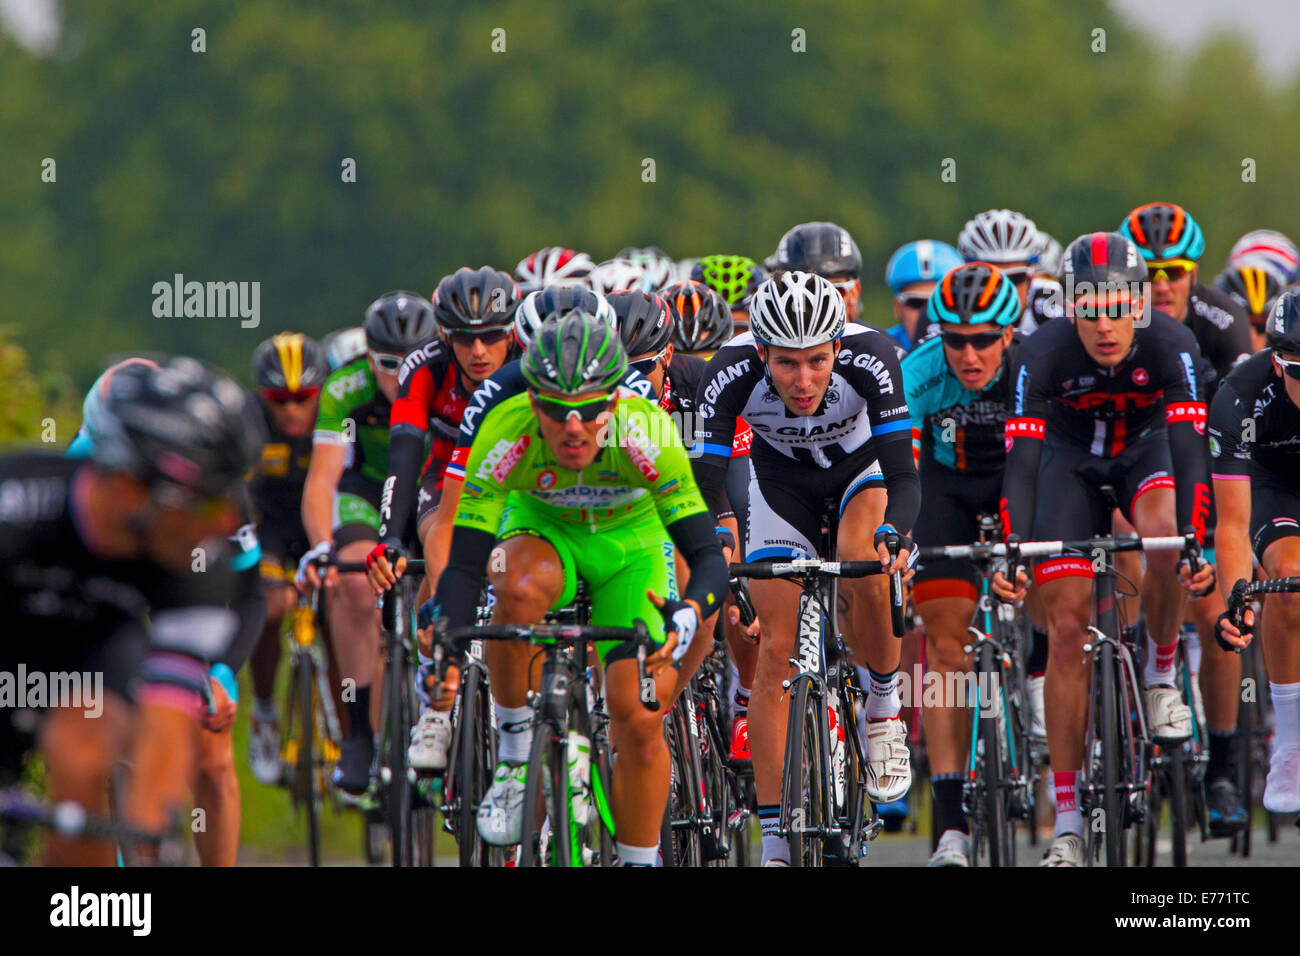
(546,479)
(1140,376)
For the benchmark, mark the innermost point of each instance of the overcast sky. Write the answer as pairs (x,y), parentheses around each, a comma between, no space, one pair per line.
(1271,25)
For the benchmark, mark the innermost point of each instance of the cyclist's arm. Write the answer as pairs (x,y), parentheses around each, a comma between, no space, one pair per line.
(719,402)
(327,461)
(1025,430)
(891,428)
(408,423)
(456,597)
(1185,420)
(902,483)
(1231,472)
(248,599)
(694,538)
(438,539)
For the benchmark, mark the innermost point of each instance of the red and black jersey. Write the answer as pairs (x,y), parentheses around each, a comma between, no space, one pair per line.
(430,400)
(678,400)
(1060,395)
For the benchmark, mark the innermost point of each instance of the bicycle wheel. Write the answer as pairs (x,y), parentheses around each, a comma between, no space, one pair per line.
(546,799)
(1112,764)
(399,798)
(1177,782)
(805,773)
(475,760)
(679,836)
(305,772)
(995,825)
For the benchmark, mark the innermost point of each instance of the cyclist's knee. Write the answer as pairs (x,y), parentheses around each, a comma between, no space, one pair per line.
(76,757)
(280,598)
(216,758)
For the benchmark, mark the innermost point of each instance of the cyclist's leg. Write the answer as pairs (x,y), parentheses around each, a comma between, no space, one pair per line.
(1277,545)
(216,792)
(1130,565)
(277,567)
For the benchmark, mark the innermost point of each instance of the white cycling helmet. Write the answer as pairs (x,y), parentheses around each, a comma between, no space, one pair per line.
(796,310)
(1049,260)
(552,265)
(1000,236)
(658,268)
(538,306)
(618,275)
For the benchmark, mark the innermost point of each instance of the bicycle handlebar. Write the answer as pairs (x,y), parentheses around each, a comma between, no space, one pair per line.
(1243,590)
(1037,549)
(804,567)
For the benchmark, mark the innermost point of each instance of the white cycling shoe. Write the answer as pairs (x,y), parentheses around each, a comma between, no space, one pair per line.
(953,849)
(1169,718)
(1282,788)
(1066,850)
(889,762)
(264,750)
(501,814)
(430,741)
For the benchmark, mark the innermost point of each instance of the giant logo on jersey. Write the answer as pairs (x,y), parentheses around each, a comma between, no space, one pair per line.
(726,375)
(873,365)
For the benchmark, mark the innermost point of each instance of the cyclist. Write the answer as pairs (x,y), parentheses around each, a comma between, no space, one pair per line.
(701,318)
(289,370)
(1010,241)
(1111,396)
(911,274)
(827,250)
(1171,243)
(475,312)
(552,265)
(735,278)
(1045,299)
(1254,434)
(829,417)
(341,500)
(98,571)
(958,395)
(1269,248)
(615,528)
(1255,287)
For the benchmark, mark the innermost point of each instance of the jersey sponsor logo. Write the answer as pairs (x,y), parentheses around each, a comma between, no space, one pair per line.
(1140,376)
(873,365)
(343,386)
(832,395)
(1193,412)
(1218,317)
(492,458)
(667,487)
(608,475)
(641,450)
(460,456)
(510,459)
(473,490)
(386,502)
(415,359)
(478,401)
(1214,447)
(901,410)
(725,376)
(1024,428)
(546,479)
(1189,369)
(1022,383)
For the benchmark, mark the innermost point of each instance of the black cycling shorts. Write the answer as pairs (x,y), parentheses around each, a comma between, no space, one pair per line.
(1274,512)
(284,542)
(954,500)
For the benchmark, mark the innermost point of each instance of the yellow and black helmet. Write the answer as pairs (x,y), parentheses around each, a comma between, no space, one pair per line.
(290,361)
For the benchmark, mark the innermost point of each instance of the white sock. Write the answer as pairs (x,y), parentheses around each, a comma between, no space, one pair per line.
(264,710)
(515,733)
(1286,711)
(883,701)
(1192,650)
(636,855)
(775,846)
(1154,675)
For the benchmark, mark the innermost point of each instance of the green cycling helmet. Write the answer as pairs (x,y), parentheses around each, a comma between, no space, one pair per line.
(733,277)
(574,354)
(974,293)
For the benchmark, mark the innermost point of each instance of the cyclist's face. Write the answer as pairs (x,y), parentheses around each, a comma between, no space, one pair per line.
(176,532)
(909,305)
(387,381)
(800,376)
(1019,273)
(479,355)
(1106,340)
(1258,340)
(574,442)
(975,367)
(1292,385)
(294,418)
(850,289)
(1172,296)
(659,371)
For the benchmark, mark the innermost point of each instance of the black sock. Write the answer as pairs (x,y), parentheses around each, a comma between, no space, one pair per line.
(359,714)
(1037,662)
(1221,754)
(947,802)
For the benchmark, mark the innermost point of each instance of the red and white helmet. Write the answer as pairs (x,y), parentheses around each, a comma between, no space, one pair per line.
(618,275)
(552,265)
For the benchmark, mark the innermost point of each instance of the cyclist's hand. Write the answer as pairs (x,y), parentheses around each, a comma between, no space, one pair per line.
(450,685)
(223,708)
(728,542)
(379,572)
(1199,584)
(308,575)
(906,547)
(750,632)
(1232,637)
(1003,590)
(681,621)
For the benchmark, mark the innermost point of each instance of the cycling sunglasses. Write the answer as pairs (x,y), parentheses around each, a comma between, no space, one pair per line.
(979,340)
(647,365)
(561,411)
(1112,310)
(387,362)
(1171,271)
(912,300)
(490,337)
(1291,367)
(1019,275)
(285,396)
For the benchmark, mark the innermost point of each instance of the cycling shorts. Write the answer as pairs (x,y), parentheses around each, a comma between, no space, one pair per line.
(1274,512)
(429,496)
(283,544)
(783,517)
(618,564)
(953,503)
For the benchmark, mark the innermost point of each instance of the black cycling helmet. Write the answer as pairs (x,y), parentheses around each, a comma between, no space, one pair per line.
(475,300)
(179,424)
(574,354)
(645,323)
(820,247)
(398,322)
(290,361)
(1283,328)
(1098,258)
(701,317)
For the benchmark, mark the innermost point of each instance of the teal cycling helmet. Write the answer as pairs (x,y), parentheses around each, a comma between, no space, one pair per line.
(925,260)
(974,293)
(574,354)
(1163,231)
